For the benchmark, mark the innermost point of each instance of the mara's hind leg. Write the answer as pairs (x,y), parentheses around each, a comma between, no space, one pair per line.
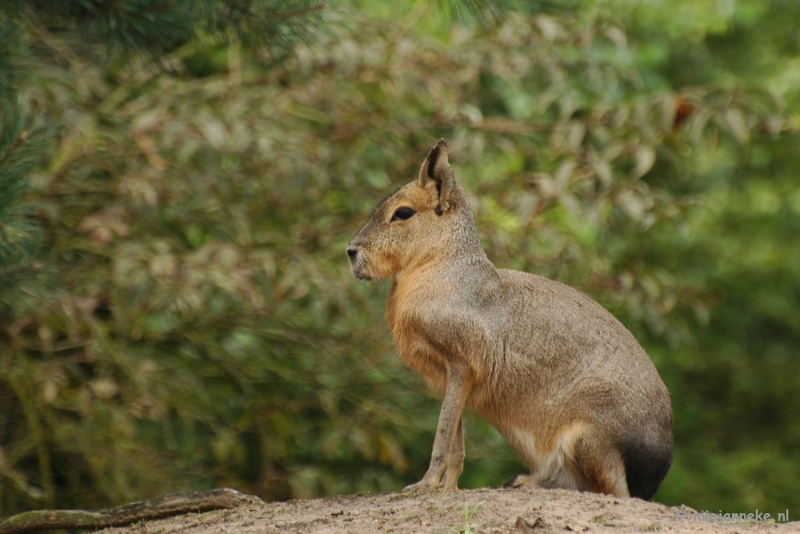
(578,459)
(518,481)
(587,460)
(599,466)
(552,465)
(633,468)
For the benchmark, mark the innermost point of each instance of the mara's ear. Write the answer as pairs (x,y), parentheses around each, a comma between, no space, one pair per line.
(437,168)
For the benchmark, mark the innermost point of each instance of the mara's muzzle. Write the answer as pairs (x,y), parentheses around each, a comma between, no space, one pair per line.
(358,261)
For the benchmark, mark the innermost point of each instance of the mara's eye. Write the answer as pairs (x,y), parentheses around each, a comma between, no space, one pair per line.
(402,214)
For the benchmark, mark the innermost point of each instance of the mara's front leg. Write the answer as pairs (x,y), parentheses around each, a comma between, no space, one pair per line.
(447,459)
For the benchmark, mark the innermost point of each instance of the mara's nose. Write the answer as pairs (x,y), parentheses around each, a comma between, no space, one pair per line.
(352,251)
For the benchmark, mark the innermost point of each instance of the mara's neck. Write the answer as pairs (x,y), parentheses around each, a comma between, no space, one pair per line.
(425,284)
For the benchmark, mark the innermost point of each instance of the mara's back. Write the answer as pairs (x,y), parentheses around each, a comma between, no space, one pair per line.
(564,341)
(558,375)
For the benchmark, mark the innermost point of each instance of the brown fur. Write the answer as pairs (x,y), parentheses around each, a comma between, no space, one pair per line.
(561,379)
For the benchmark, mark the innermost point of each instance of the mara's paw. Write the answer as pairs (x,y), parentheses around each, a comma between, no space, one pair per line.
(422,485)
(517,481)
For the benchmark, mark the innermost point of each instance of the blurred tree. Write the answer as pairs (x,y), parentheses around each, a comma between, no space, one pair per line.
(198,200)
(62,53)
(37,37)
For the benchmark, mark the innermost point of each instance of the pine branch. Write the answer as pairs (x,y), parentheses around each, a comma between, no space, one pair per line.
(14,146)
(297,12)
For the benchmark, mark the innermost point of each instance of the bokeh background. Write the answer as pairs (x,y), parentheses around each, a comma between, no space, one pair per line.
(179,180)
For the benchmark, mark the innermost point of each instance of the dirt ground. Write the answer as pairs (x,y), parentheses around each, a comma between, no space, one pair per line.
(524,510)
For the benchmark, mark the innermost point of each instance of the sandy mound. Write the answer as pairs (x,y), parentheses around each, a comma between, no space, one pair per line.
(469,511)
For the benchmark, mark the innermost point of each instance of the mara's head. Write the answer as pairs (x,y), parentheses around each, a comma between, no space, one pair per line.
(418,223)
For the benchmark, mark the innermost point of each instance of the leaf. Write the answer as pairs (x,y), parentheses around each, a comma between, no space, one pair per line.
(645,159)
(737,124)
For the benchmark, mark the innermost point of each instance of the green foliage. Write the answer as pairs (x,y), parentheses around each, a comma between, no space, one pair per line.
(207,331)
(11,67)
(735,382)
(22,143)
(16,161)
(158,26)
